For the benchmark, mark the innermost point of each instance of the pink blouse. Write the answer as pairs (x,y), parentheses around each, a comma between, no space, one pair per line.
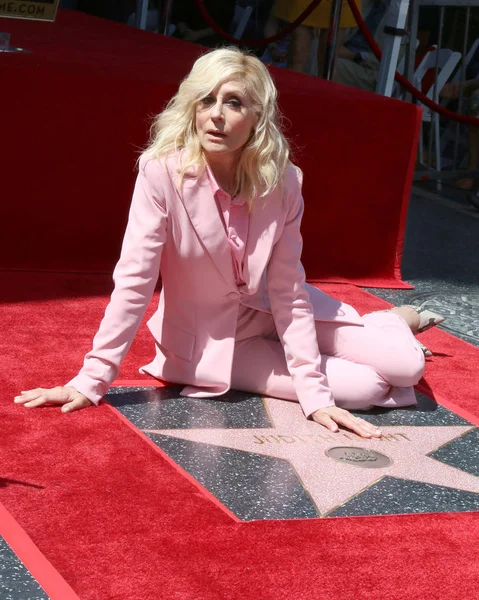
(234,212)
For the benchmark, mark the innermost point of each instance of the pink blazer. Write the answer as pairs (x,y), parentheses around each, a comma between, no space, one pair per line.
(179,232)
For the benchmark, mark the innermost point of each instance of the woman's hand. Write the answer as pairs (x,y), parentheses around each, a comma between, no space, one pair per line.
(68,396)
(332,416)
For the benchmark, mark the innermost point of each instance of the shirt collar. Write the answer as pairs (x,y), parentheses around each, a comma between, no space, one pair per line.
(215,189)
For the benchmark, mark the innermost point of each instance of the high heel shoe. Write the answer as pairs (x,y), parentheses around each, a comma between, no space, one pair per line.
(425,349)
(427,318)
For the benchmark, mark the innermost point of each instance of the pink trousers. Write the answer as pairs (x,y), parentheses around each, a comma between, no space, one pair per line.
(374,365)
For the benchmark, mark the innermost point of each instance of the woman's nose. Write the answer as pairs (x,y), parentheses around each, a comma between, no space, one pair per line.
(217,111)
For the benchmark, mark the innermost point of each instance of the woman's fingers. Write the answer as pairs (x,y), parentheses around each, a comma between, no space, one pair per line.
(29,396)
(325,420)
(364,429)
(34,403)
(39,396)
(68,396)
(331,416)
(358,425)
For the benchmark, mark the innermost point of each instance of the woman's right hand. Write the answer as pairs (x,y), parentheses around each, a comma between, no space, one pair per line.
(333,416)
(66,396)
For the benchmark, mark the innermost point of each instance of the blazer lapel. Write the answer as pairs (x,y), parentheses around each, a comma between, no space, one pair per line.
(202,209)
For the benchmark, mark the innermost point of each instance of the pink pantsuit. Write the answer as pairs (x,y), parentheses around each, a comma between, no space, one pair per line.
(274,334)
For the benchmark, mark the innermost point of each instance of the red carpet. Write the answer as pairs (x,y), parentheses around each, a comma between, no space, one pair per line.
(118,522)
(97,83)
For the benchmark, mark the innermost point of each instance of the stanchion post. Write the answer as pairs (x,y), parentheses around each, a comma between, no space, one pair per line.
(411,48)
(168,7)
(330,58)
(462,80)
(141,13)
(434,117)
(395,29)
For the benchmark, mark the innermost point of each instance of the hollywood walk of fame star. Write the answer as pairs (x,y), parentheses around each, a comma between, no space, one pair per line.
(330,483)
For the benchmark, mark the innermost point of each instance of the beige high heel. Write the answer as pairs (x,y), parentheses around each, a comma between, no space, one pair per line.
(427,318)
(424,348)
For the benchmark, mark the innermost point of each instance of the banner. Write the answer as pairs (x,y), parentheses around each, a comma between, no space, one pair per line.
(41,10)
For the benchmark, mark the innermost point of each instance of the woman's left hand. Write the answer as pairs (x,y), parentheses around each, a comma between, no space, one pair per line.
(68,397)
(332,416)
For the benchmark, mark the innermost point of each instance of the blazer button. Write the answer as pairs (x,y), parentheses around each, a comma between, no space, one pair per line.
(233,296)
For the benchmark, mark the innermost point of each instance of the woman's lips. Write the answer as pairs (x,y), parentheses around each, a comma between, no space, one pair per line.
(216,134)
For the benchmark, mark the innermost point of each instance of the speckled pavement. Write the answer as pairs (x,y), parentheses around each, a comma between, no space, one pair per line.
(441,261)
(16,583)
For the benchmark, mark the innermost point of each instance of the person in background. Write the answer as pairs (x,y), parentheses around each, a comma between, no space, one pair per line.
(289,10)
(277,52)
(191,27)
(356,65)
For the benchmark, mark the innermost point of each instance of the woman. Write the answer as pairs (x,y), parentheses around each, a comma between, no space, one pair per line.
(217,209)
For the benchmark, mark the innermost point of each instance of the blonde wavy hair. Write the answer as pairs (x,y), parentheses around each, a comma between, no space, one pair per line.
(265,156)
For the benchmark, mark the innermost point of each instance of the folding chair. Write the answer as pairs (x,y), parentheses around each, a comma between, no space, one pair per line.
(445,61)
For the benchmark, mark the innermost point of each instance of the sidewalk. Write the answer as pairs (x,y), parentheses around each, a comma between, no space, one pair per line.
(441,260)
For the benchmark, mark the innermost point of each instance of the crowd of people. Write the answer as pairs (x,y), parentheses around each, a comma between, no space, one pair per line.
(356,65)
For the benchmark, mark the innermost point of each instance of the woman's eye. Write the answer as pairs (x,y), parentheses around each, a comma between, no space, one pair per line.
(234,103)
(208,101)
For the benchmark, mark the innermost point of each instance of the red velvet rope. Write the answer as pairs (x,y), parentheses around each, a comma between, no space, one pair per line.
(263,41)
(403,81)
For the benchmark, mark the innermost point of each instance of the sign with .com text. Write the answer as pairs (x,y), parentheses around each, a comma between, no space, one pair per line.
(41,10)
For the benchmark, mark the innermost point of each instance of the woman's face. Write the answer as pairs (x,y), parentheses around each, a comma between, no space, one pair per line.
(225,120)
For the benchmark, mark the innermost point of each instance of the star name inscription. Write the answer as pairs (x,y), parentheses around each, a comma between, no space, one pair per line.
(319,438)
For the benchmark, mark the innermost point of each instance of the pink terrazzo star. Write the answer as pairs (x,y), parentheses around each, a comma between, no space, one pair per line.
(303,444)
